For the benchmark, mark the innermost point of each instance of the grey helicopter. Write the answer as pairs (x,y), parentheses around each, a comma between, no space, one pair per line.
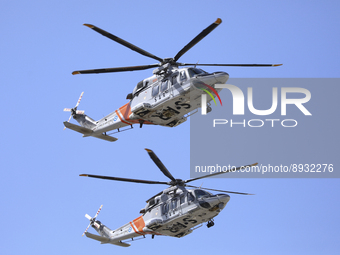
(176,211)
(167,98)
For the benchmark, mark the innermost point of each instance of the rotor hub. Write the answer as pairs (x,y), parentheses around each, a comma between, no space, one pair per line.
(177,182)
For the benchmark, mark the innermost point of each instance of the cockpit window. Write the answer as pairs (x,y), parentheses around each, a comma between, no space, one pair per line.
(190,197)
(201,193)
(195,71)
(183,76)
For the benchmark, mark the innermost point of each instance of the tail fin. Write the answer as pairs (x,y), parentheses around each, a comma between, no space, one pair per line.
(102,230)
(74,110)
(80,117)
(87,125)
(97,225)
(93,220)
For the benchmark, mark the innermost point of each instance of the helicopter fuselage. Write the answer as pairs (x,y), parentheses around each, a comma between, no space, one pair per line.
(165,100)
(176,212)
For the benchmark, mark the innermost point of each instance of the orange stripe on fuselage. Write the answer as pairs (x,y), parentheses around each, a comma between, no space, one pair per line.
(134,229)
(139,223)
(126,112)
(121,118)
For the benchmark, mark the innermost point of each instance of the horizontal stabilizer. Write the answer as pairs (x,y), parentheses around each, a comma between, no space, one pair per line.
(77,128)
(98,238)
(104,240)
(106,137)
(88,132)
(122,244)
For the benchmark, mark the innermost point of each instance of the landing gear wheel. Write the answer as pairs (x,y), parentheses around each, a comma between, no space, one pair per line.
(210,223)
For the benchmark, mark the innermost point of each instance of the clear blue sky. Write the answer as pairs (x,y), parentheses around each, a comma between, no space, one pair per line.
(43,198)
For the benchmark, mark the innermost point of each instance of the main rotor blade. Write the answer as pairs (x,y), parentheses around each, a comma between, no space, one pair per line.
(160,165)
(245,65)
(122,179)
(223,172)
(198,38)
(225,191)
(123,42)
(116,69)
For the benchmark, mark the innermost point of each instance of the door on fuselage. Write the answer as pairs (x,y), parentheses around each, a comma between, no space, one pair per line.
(161,92)
(177,80)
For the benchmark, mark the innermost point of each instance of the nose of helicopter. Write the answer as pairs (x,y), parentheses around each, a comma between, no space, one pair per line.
(224,198)
(215,202)
(221,77)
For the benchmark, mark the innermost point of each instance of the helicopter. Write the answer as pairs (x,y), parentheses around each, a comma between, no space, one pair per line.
(176,211)
(167,98)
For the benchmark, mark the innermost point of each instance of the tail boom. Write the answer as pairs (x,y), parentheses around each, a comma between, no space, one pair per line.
(133,229)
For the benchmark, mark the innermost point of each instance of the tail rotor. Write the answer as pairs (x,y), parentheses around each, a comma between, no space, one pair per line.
(92,220)
(74,110)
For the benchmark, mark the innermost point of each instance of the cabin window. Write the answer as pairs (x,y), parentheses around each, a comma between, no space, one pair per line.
(182,199)
(174,204)
(174,79)
(151,202)
(165,208)
(155,90)
(140,85)
(137,89)
(164,86)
